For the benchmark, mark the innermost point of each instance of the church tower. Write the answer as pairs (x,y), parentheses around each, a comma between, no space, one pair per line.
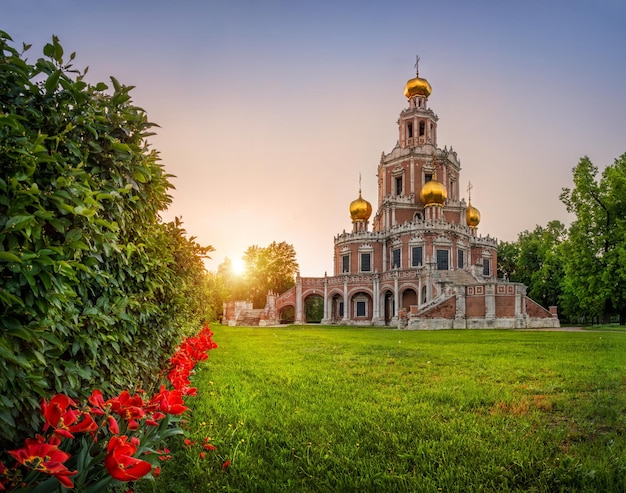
(404,192)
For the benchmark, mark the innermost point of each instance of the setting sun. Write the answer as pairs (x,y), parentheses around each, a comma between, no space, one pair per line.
(238,266)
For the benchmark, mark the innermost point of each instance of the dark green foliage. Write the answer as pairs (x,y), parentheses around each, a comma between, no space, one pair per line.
(314,308)
(595,252)
(535,259)
(94,289)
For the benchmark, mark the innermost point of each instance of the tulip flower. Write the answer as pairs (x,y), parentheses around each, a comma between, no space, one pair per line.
(121,464)
(46,458)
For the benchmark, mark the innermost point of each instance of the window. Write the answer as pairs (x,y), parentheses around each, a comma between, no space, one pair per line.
(442,259)
(399,185)
(409,130)
(416,256)
(341,308)
(460,262)
(361,308)
(395,253)
(366,262)
(428,177)
(486,267)
(345,263)
(422,128)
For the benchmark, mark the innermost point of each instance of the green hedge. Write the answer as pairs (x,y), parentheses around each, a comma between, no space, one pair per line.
(95,290)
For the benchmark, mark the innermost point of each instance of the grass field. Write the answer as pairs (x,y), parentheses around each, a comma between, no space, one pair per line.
(334,409)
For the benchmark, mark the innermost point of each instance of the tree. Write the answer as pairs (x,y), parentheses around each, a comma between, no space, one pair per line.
(535,260)
(595,252)
(508,253)
(95,290)
(272,268)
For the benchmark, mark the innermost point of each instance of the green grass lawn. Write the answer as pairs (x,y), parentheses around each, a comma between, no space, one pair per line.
(334,409)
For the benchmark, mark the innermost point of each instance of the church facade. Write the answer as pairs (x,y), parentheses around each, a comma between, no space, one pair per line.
(418,262)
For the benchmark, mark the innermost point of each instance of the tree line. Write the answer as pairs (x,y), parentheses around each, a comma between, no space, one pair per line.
(271,268)
(580,268)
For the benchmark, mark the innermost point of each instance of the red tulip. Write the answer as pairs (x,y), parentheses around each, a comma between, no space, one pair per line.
(58,414)
(121,464)
(46,458)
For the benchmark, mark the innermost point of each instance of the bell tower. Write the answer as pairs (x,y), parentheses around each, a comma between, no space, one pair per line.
(417,124)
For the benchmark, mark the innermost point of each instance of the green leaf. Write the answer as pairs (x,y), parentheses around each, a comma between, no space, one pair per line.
(52,81)
(19,222)
(18,360)
(9,257)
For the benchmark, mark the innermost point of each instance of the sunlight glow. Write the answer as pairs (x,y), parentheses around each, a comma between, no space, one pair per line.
(238,266)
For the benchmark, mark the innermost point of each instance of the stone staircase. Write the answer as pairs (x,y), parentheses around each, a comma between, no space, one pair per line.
(249,317)
(457,277)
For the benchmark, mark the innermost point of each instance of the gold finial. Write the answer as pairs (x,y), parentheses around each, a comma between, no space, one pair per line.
(359,183)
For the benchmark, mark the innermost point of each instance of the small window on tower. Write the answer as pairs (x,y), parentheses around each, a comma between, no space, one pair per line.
(460,259)
(366,264)
(416,256)
(422,128)
(395,258)
(442,259)
(486,265)
(428,177)
(409,130)
(345,263)
(399,185)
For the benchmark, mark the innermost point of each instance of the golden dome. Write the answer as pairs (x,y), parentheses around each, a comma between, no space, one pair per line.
(472,215)
(417,87)
(433,193)
(360,209)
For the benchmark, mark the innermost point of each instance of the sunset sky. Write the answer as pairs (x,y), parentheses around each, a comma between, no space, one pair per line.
(269,110)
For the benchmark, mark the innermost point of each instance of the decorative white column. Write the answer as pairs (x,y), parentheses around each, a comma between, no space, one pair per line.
(396,301)
(376,299)
(459,316)
(490,301)
(346,302)
(327,303)
(299,318)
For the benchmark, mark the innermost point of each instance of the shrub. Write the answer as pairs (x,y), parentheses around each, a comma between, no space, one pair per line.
(104,443)
(95,290)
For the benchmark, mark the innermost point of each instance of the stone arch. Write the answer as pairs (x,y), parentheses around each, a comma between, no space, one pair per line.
(408,297)
(361,306)
(337,307)
(387,305)
(313,308)
(287,314)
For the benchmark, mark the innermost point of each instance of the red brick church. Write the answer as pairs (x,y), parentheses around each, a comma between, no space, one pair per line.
(421,264)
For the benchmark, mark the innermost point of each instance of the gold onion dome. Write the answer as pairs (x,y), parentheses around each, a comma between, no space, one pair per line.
(472,215)
(417,87)
(360,209)
(433,193)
